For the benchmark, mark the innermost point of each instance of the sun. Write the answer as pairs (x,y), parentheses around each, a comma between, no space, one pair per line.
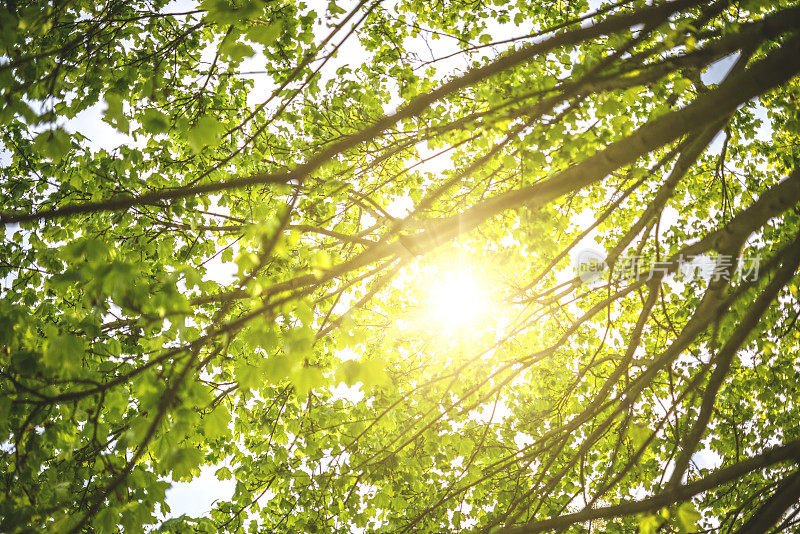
(457,301)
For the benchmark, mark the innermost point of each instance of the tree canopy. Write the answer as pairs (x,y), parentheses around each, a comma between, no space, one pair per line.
(337,253)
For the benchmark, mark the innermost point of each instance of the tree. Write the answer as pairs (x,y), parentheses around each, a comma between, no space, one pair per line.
(361,167)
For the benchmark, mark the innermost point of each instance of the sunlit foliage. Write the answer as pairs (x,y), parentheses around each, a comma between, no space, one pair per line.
(331,256)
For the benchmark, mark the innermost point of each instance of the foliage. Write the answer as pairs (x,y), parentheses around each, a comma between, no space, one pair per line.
(244,283)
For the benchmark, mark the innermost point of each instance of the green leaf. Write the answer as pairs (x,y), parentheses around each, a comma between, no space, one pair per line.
(304,312)
(276,368)
(64,352)
(649,524)
(298,342)
(265,34)
(235,51)
(114,113)
(183,462)
(370,372)
(261,335)
(321,261)
(205,132)
(246,261)
(334,9)
(134,516)
(247,376)
(305,379)
(230,12)
(681,85)
(154,121)
(639,435)
(105,522)
(687,517)
(216,422)
(53,144)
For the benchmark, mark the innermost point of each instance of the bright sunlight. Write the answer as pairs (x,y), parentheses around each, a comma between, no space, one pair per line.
(457,301)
